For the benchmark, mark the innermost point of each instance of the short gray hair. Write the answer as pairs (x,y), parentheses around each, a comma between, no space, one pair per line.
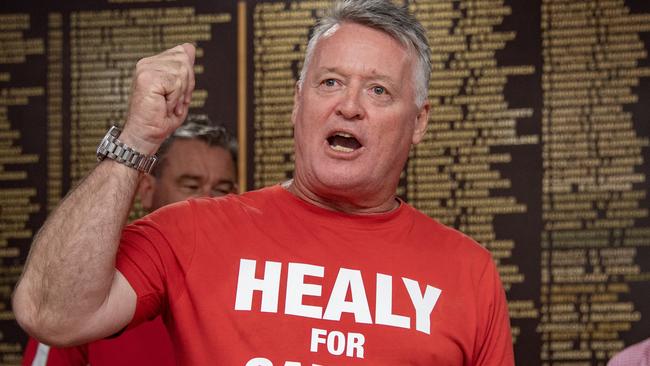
(199,126)
(384,16)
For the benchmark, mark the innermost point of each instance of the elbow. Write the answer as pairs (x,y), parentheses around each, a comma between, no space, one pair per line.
(24,309)
(46,329)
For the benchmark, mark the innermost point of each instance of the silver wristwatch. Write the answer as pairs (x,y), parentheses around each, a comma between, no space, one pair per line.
(112,148)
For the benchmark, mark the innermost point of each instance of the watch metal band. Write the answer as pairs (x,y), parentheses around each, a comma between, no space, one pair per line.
(114,149)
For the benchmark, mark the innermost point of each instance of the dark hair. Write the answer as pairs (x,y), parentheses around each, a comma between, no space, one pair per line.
(199,126)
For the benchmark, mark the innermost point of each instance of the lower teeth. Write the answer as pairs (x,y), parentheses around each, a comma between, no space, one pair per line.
(341,148)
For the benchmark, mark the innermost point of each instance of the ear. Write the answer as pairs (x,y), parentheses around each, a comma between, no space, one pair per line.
(296,98)
(421,122)
(145,190)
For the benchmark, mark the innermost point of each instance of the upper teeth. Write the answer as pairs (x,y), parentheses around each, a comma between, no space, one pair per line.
(335,146)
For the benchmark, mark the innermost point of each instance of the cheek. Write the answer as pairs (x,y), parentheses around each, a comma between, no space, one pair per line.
(395,139)
(305,136)
(316,111)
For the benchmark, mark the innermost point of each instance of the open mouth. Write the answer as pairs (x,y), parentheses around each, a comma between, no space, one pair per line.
(343,142)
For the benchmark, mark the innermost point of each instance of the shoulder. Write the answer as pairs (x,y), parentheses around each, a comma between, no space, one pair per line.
(248,203)
(445,237)
(197,208)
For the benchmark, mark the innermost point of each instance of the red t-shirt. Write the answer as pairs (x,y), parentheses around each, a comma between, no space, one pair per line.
(146,344)
(267,279)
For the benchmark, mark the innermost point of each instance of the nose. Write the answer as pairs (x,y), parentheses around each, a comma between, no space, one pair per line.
(350,106)
(206,191)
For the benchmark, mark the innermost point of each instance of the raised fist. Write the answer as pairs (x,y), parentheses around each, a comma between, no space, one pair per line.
(161,90)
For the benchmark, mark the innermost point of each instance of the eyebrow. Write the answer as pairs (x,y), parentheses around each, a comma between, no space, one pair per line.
(379,77)
(188,176)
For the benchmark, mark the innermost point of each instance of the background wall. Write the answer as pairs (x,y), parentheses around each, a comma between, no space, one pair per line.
(538,144)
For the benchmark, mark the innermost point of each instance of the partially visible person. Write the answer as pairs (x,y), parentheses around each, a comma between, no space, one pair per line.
(198,160)
(635,355)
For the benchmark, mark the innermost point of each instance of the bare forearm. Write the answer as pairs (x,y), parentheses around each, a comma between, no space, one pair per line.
(70,268)
(70,291)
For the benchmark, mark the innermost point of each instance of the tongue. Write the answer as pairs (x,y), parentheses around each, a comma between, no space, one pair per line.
(346,143)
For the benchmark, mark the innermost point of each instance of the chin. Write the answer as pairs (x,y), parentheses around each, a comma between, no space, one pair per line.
(338,178)
(344,184)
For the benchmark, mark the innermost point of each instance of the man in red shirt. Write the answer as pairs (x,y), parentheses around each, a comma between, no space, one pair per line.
(329,268)
(198,160)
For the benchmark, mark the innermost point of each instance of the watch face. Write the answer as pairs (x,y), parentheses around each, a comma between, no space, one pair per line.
(102,150)
(111,147)
(114,131)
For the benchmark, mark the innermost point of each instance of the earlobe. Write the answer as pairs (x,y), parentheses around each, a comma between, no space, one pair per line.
(421,122)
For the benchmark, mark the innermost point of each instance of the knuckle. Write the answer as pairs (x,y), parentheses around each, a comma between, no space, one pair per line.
(143,62)
(142,77)
(184,71)
(170,79)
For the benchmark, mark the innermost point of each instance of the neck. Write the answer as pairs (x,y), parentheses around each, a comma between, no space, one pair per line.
(341,203)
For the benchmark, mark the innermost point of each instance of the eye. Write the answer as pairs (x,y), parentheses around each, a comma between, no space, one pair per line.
(189,185)
(378,90)
(219,192)
(223,189)
(329,82)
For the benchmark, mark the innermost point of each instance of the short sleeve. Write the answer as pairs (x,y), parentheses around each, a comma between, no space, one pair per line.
(154,255)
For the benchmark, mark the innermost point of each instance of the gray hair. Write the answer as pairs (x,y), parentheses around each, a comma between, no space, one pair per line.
(199,126)
(384,16)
